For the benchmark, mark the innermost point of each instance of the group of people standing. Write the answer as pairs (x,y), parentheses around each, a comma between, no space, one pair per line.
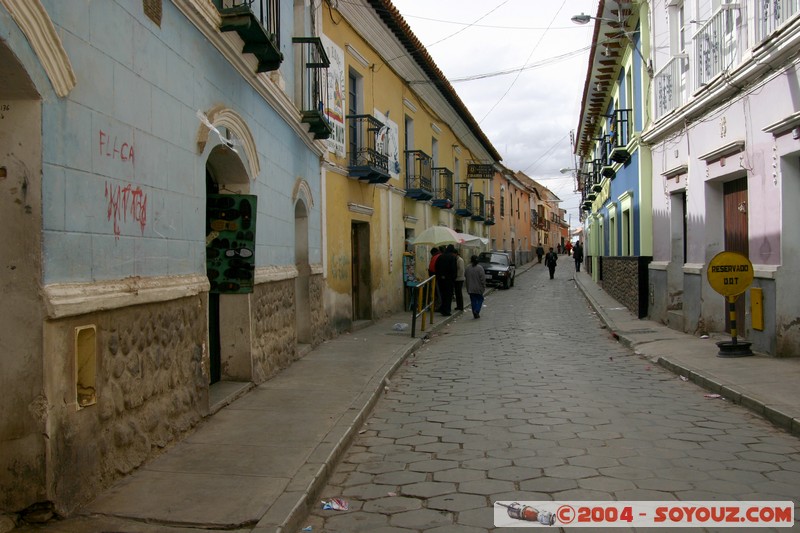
(451,276)
(551,257)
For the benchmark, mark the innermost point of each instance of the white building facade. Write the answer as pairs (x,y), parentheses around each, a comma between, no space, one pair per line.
(725,141)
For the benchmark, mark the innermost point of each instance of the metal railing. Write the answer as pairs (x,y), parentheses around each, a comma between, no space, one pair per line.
(719,43)
(772,14)
(463,199)
(423,300)
(478,207)
(366,152)
(442,187)
(313,76)
(620,134)
(266,11)
(670,85)
(418,170)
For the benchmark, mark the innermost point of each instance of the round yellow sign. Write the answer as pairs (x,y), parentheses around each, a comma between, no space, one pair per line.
(730,273)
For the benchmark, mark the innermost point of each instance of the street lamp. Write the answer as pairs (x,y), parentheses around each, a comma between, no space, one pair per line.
(584,19)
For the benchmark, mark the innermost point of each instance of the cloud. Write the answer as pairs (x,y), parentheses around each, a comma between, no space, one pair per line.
(530,114)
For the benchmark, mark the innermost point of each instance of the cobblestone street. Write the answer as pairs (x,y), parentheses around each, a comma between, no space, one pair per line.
(537,401)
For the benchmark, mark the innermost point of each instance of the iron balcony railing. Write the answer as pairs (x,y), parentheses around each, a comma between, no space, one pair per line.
(418,175)
(463,199)
(719,43)
(607,165)
(620,135)
(258,24)
(670,85)
(772,14)
(478,207)
(489,203)
(368,151)
(314,85)
(442,187)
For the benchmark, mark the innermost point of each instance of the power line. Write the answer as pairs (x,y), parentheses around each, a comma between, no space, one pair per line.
(526,62)
(490,26)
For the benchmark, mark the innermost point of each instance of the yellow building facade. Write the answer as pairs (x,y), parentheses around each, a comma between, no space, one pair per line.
(405,155)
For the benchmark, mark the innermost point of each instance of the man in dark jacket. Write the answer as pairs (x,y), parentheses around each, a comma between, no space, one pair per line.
(578,256)
(446,268)
(550,261)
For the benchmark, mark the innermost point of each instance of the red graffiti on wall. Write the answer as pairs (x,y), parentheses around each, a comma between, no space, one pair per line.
(114,149)
(123,201)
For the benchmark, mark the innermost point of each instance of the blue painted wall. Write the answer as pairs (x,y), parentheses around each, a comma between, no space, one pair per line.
(123,182)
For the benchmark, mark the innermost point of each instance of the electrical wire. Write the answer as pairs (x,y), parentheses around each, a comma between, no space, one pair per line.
(526,62)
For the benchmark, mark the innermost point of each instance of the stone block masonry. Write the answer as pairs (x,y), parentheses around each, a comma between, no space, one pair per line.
(626,279)
(152,387)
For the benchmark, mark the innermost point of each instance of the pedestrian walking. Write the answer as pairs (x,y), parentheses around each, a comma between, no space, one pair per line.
(578,256)
(539,252)
(558,248)
(446,267)
(550,261)
(460,269)
(475,279)
(437,297)
(568,247)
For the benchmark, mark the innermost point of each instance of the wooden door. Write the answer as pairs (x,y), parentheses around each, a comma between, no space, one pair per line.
(736,237)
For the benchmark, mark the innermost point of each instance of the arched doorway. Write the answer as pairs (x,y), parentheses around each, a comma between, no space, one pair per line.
(22,445)
(229,325)
(302,289)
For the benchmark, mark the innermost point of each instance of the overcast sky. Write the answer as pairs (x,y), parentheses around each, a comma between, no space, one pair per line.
(523,64)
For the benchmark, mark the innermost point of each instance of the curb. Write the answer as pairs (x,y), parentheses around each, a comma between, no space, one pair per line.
(308,498)
(756,406)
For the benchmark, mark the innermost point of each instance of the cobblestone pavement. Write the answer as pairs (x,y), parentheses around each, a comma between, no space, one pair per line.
(536,401)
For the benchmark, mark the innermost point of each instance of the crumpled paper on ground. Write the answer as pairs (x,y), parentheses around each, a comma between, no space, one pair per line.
(335,504)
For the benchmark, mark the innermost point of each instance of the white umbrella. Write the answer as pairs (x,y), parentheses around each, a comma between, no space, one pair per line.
(472,240)
(436,235)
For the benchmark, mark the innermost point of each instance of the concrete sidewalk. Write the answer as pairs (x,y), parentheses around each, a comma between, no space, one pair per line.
(259,463)
(766,385)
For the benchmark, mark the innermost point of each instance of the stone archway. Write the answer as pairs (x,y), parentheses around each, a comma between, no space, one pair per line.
(303,203)
(302,288)
(229,324)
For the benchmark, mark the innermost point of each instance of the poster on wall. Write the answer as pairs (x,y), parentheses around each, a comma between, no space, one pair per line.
(230,242)
(388,137)
(334,108)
